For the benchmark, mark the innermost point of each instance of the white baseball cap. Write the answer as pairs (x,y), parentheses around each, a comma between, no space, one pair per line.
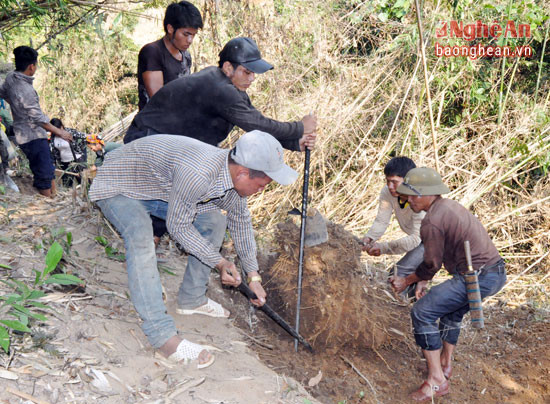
(260,151)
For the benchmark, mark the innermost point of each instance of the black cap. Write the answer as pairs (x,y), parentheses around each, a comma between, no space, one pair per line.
(245,52)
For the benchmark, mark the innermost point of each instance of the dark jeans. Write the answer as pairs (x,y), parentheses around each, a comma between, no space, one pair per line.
(406,266)
(40,162)
(159,226)
(448,302)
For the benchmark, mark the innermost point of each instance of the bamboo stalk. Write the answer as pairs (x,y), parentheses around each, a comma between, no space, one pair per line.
(516,277)
(508,173)
(510,84)
(502,73)
(411,81)
(427,83)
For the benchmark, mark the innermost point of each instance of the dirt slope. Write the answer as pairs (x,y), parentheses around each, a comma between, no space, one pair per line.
(92,348)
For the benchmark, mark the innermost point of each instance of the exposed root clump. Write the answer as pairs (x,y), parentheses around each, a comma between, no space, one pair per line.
(339,306)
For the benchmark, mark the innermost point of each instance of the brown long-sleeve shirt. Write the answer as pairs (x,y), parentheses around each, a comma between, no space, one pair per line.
(443,231)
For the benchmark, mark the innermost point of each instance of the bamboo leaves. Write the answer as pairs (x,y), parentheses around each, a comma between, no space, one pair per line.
(20,307)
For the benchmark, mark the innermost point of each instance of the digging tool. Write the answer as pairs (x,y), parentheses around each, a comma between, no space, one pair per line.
(472,288)
(245,290)
(316,228)
(302,240)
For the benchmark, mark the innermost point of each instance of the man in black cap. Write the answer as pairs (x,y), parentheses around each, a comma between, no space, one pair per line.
(208,104)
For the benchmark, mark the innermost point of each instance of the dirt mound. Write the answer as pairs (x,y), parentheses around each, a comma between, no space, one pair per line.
(339,307)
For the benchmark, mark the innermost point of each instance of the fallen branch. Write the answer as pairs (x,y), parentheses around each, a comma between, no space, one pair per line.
(258,342)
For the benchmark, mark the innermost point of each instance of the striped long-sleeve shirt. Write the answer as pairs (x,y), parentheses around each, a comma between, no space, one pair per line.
(193,177)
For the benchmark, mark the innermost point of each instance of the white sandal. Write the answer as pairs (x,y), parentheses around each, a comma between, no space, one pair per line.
(188,351)
(210,308)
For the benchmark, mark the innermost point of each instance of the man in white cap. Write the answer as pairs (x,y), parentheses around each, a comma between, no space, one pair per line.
(187,183)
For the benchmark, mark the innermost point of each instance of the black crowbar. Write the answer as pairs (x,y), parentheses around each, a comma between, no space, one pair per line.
(245,290)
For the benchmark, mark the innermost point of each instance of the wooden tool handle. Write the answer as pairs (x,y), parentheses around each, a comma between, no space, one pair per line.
(473,291)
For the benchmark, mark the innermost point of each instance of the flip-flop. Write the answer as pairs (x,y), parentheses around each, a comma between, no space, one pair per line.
(210,308)
(188,352)
(437,391)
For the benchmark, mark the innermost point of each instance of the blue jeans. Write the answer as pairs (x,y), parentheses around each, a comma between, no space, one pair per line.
(192,292)
(131,217)
(448,302)
(407,265)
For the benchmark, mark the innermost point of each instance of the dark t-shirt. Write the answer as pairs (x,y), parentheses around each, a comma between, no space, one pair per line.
(155,57)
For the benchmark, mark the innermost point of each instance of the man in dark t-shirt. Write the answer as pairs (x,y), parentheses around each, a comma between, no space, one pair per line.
(167,59)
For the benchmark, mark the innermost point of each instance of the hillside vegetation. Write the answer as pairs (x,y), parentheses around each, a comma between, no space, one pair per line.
(357,65)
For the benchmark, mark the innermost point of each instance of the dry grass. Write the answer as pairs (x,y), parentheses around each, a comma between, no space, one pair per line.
(372,106)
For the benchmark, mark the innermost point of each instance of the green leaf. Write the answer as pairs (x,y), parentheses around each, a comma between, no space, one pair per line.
(12,297)
(117,19)
(383,17)
(102,240)
(36,294)
(5,266)
(37,277)
(166,269)
(21,287)
(4,339)
(23,318)
(38,304)
(114,254)
(64,279)
(69,239)
(55,252)
(29,313)
(16,325)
